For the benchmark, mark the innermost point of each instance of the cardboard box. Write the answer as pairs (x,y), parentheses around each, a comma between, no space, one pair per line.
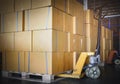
(22,5)
(62,41)
(7,41)
(91,44)
(6,6)
(23,41)
(70,42)
(103,32)
(12,22)
(78,27)
(60,4)
(45,62)
(45,40)
(68,23)
(68,61)
(12,61)
(89,17)
(44,18)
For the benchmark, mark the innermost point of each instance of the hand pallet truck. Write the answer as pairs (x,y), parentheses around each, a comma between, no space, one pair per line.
(88,61)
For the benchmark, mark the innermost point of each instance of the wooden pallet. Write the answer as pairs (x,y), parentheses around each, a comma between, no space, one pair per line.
(45,78)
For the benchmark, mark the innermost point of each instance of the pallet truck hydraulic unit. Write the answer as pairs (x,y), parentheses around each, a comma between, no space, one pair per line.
(88,62)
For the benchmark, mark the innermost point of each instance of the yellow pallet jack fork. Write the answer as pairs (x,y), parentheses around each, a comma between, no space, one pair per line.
(77,72)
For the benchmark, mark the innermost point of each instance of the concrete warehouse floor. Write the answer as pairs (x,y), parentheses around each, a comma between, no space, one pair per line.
(110,74)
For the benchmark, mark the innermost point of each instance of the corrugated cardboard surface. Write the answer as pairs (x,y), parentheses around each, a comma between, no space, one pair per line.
(37,63)
(12,22)
(91,44)
(7,41)
(47,62)
(89,16)
(58,19)
(68,23)
(45,40)
(6,6)
(57,63)
(37,19)
(21,61)
(44,18)
(41,3)
(12,61)
(70,42)
(78,26)
(68,61)
(22,4)
(61,41)
(23,41)
(60,4)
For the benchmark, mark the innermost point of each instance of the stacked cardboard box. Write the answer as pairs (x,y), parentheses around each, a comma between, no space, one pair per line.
(39,33)
(106,42)
(91,26)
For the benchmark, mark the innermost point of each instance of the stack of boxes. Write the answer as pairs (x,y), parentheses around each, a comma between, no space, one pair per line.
(47,36)
(91,26)
(41,36)
(106,42)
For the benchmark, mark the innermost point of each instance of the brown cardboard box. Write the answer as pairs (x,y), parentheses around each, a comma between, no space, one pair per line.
(45,62)
(91,44)
(91,30)
(50,40)
(60,4)
(70,42)
(12,61)
(21,62)
(7,41)
(6,6)
(89,16)
(12,22)
(103,32)
(62,41)
(44,18)
(23,41)
(78,27)
(68,23)
(68,61)
(45,40)
(70,7)
(22,5)
(82,43)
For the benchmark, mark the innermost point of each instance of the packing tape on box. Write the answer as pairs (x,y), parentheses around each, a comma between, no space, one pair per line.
(47,19)
(18,62)
(28,61)
(46,60)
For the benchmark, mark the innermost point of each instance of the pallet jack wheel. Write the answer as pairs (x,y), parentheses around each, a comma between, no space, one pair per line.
(117,61)
(93,72)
